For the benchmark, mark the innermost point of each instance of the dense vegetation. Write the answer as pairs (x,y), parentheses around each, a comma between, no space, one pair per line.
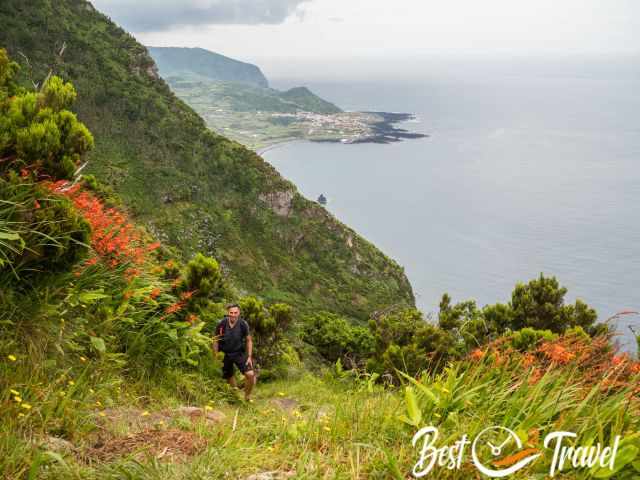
(194,190)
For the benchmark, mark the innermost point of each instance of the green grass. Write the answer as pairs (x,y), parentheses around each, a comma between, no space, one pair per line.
(340,426)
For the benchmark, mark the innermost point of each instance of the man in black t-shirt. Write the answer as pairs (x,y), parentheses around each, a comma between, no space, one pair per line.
(234,340)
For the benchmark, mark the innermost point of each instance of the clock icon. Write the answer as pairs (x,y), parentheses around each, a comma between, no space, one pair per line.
(499,440)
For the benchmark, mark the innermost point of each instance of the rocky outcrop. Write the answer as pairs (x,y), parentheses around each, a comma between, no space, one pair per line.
(280,202)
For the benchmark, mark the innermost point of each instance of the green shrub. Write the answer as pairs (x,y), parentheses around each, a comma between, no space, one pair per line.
(203,277)
(540,304)
(268,328)
(335,338)
(405,341)
(528,337)
(38,132)
(41,232)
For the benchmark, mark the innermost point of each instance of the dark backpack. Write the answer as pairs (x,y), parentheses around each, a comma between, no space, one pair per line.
(221,327)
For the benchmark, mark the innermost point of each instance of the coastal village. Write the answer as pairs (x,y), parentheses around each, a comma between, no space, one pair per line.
(345,126)
(261,129)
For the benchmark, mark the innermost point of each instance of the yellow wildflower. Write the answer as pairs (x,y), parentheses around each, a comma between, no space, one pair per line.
(26,406)
(15,392)
(281,394)
(20,414)
(17,398)
(144,414)
(82,359)
(208,407)
(326,428)
(71,382)
(12,358)
(102,414)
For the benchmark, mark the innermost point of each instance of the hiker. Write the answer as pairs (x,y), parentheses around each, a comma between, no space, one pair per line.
(234,340)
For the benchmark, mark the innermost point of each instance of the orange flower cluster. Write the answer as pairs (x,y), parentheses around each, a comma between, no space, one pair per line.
(113,237)
(173,308)
(477,355)
(556,353)
(187,295)
(593,359)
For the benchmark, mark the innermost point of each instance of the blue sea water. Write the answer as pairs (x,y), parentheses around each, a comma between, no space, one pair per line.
(527,169)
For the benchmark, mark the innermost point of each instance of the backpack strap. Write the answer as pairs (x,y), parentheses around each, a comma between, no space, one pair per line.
(221,327)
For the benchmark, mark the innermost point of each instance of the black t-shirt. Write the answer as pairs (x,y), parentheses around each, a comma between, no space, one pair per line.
(234,339)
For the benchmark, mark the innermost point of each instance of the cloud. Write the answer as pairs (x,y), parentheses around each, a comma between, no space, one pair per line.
(158,15)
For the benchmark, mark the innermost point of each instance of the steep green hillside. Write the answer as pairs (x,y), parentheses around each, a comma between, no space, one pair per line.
(208,65)
(192,188)
(204,94)
(311,102)
(223,79)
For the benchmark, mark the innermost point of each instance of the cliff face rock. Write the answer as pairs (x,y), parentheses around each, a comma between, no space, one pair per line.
(280,203)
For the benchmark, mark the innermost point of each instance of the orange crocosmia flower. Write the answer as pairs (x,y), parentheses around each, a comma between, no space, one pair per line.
(619,359)
(528,359)
(187,295)
(191,318)
(24,172)
(477,354)
(91,261)
(113,236)
(535,376)
(173,308)
(131,273)
(557,353)
(36,204)
(155,292)
(127,295)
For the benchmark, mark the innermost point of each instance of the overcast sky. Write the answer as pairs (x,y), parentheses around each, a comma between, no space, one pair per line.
(274,32)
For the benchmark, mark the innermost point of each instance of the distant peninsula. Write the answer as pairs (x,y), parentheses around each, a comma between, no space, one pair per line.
(235,100)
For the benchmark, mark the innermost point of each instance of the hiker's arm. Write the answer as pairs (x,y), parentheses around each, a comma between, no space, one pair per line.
(249,349)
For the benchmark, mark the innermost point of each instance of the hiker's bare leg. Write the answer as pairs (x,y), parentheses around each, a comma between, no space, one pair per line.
(249,379)
(232,381)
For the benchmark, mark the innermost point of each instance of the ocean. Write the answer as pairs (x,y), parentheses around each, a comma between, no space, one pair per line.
(529,168)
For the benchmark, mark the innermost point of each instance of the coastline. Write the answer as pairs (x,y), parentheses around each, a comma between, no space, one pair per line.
(382,132)
(275,145)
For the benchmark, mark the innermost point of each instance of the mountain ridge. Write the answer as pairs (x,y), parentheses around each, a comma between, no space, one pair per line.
(211,65)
